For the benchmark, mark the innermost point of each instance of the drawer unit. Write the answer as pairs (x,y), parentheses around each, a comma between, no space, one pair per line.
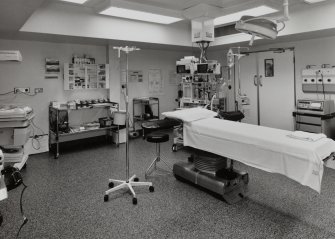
(309,128)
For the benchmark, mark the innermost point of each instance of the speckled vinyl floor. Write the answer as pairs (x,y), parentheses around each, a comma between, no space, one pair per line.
(64,199)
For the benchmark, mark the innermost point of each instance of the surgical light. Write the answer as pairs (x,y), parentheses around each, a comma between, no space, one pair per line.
(263,27)
(139,15)
(256,11)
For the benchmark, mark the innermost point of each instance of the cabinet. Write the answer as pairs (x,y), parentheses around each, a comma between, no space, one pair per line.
(315,123)
(272,97)
(86,76)
(144,109)
(61,131)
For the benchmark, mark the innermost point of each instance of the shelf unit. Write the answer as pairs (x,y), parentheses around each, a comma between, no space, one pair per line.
(58,133)
(141,111)
(86,76)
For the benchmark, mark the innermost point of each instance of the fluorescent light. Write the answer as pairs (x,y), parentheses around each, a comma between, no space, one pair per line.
(313,1)
(139,15)
(75,1)
(255,12)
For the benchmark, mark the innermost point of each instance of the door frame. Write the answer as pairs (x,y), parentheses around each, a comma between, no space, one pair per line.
(274,50)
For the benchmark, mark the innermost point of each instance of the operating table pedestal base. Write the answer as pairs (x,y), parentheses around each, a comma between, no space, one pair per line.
(232,188)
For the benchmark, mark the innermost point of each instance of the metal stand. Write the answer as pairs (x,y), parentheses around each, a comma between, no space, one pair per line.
(153,165)
(132,181)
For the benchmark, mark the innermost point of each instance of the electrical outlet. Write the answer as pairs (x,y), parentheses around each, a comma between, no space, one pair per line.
(21,90)
(38,90)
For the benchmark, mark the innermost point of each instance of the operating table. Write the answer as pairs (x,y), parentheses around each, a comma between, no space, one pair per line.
(265,148)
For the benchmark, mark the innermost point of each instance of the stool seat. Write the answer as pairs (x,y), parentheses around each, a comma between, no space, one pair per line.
(157,138)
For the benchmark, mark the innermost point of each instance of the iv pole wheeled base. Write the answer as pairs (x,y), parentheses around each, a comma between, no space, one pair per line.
(132,182)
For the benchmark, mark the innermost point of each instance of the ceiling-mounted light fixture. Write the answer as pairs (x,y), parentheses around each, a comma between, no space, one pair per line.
(313,1)
(233,17)
(138,11)
(263,27)
(139,15)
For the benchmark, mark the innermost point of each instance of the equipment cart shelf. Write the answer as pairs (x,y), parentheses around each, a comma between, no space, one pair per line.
(59,130)
(144,109)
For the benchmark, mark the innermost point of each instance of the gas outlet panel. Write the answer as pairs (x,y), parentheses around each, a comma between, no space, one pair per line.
(318,80)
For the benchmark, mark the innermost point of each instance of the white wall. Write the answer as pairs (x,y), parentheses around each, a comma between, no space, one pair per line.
(146,60)
(308,52)
(30,73)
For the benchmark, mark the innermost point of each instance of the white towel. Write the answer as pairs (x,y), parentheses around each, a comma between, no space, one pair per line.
(306,136)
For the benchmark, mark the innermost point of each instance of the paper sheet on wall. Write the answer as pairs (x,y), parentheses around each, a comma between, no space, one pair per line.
(173,78)
(133,76)
(155,82)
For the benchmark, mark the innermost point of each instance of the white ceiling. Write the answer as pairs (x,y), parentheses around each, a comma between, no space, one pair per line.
(15,13)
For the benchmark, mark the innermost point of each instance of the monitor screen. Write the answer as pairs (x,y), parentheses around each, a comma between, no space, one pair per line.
(181,69)
(202,68)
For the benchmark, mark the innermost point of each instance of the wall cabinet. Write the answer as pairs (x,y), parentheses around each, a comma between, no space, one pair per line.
(86,76)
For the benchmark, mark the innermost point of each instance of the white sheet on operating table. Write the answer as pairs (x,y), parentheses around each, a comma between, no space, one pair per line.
(261,147)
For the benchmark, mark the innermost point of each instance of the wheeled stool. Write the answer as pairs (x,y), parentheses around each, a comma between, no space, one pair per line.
(157,138)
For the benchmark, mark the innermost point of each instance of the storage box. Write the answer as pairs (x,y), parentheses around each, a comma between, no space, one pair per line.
(105,122)
(14,136)
(119,136)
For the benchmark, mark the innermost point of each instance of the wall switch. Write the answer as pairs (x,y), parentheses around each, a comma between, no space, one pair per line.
(21,90)
(38,90)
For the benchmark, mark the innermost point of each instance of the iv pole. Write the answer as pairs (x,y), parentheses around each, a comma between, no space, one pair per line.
(133,181)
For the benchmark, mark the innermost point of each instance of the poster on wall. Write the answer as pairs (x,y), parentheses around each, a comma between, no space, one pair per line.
(52,68)
(134,76)
(155,82)
(269,65)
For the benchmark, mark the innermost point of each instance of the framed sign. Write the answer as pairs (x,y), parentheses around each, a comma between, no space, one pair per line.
(269,67)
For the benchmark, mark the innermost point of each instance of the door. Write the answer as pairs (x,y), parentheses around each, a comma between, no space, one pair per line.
(267,78)
(248,79)
(276,89)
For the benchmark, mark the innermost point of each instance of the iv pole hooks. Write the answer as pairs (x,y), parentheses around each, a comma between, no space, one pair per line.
(133,180)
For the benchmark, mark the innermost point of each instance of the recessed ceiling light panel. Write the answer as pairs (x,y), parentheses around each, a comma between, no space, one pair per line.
(75,1)
(139,15)
(313,1)
(255,12)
